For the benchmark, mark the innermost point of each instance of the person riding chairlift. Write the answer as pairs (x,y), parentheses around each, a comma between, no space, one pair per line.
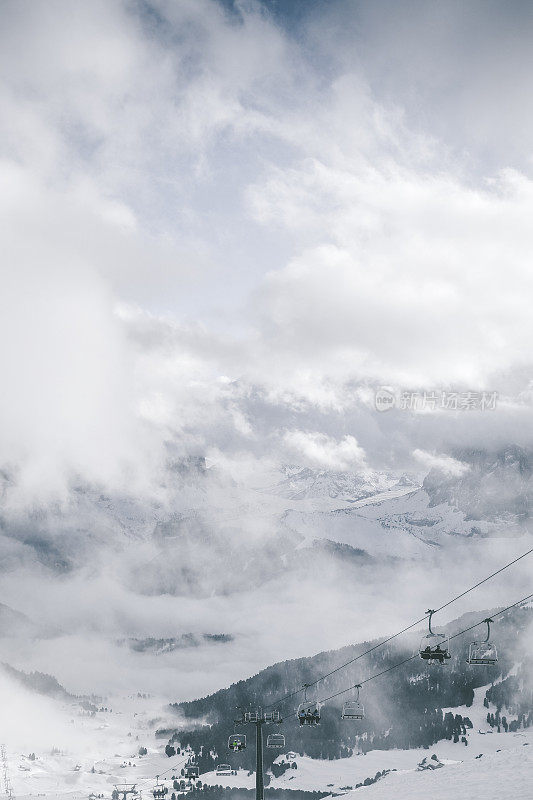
(439,654)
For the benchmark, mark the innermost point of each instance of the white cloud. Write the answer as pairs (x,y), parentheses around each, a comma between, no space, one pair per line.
(317,449)
(189,196)
(395,267)
(220,237)
(446,464)
(199,195)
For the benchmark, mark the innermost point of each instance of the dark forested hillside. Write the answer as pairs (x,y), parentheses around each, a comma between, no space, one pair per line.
(404,708)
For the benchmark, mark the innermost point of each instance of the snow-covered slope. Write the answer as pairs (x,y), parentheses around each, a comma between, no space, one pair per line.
(507,773)
(62,745)
(402,526)
(102,751)
(200,520)
(414,773)
(93,753)
(345,488)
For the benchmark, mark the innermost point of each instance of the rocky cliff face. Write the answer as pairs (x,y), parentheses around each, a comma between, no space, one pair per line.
(497,487)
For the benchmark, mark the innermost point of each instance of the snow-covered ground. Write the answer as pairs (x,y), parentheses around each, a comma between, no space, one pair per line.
(103,750)
(400,522)
(77,754)
(338,775)
(504,774)
(490,760)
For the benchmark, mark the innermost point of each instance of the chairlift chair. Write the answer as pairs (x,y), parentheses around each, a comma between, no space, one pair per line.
(483,653)
(353,709)
(308,712)
(272,716)
(192,771)
(237,742)
(160,790)
(434,647)
(275,740)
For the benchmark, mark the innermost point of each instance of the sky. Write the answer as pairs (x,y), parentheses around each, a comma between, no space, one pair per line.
(227,223)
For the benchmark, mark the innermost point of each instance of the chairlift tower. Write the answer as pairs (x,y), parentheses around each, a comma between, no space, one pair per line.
(259,718)
(8,789)
(124,789)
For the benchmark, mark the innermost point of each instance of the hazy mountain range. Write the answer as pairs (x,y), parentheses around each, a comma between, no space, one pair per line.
(204,529)
(211,579)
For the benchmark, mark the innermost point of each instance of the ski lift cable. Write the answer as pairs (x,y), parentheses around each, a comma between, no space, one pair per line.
(492,575)
(404,630)
(173,767)
(411,658)
(497,614)
(170,769)
(371,677)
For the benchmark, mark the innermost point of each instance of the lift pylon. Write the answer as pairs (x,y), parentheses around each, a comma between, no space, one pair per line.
(122,790)
(258,717)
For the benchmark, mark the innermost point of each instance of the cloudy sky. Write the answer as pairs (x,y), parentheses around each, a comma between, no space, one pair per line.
(226,223)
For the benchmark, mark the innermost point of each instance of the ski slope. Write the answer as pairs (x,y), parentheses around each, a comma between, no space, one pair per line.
(93,753)
(505,774)
(474,764)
